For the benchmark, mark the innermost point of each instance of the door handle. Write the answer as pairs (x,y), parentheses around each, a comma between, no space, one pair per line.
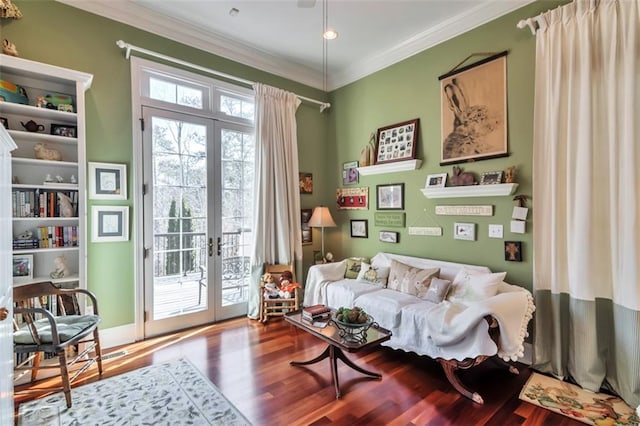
(210,245)
(4,312)
(219,246)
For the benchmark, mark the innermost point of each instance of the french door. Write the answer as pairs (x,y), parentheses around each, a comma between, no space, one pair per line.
(198,178)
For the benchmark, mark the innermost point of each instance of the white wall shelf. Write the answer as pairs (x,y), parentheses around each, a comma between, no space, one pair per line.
(398,166)
(497,190)
(41,137)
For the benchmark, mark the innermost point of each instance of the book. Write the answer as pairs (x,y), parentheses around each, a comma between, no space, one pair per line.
(315,312)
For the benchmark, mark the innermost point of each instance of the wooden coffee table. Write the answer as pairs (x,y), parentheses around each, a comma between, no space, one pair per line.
(336,346)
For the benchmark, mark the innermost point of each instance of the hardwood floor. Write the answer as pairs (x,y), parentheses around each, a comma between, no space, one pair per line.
(249,362)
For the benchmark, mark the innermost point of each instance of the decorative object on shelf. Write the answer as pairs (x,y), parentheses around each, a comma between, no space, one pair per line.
(73,179)
(474,110)
(43,152)
(474,210)
(352,198)
(5,122)
(513,251)
(321,218)
(32,126)
(389,219)
(9,48)
(397,142)
(66,206)
(307,235)
(438,180)
(61,269)
(107,181)
(10,92)
(9,10)
(462,179)
(349,172)
(491,178)
(510,174)
(59,179)
(64,130)
(109,223)
(464,231)
(22,267)
(58,102)
(359,228)
(306,183)
(41,102)
(390,196)
(389,237)
(48,178)
(26,235)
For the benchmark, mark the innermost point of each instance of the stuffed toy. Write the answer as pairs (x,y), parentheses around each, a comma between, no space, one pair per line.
(270,286)
(287,289)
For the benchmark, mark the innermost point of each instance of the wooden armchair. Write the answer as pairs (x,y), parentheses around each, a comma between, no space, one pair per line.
(47,320)
(280,306)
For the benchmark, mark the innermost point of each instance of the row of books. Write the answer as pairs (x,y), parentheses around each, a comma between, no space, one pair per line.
(40,202)
(49,237)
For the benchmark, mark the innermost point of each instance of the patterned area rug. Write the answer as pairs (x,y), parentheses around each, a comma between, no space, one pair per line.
(572,401)
(174,393)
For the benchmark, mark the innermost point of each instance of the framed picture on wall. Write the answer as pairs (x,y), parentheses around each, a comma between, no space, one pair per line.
(390,197)
(305,181)
(350,173)
(107,181)
(474,111)
(397,142)
(109,224)
(307,235)
(359,228)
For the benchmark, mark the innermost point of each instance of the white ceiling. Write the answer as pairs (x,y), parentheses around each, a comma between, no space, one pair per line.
(281,37)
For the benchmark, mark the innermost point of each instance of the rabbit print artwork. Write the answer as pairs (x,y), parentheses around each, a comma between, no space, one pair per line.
(473,114)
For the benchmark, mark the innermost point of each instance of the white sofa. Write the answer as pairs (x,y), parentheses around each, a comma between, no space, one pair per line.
(456,334)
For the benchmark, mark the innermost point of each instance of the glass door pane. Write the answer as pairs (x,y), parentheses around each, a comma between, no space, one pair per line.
(177,220)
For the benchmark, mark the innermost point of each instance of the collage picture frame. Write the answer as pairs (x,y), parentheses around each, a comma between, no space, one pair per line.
(397,142)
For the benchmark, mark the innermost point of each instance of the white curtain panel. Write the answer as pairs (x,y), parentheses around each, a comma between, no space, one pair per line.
(277,231)
(586,190)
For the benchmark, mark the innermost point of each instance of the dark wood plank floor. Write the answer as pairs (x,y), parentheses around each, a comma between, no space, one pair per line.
(249,363)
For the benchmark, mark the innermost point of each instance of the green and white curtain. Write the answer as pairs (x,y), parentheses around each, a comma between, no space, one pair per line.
(586,190)
(277,231)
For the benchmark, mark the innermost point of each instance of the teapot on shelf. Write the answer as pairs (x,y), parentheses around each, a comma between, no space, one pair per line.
(32,126)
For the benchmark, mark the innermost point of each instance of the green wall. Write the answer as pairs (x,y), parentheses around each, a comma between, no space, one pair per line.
(72,38)
(411,89)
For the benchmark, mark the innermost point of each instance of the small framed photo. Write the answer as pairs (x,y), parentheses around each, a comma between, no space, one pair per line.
(491,178)
(109,224)
(107,181)
(4,122)
(389,236)
(306,183)
(397,142)
(464,231)
(513,251)
(64,130)
(390,197)
(307,235)
(350,173)
(22,267)
(359,228)
(438,180)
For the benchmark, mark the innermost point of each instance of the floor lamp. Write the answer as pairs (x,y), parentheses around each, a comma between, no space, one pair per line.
(321,218)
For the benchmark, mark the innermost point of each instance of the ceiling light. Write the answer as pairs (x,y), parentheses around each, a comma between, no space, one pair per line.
(330,34)
(234,12)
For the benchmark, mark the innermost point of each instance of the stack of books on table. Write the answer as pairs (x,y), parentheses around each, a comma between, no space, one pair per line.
(316,312)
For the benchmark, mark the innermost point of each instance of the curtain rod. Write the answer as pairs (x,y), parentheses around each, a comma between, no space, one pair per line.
(131,48)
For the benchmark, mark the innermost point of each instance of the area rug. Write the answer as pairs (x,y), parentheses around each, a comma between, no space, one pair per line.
(173,393)
(572,401)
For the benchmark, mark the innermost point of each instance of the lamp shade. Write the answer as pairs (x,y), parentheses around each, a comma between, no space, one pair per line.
(321,218)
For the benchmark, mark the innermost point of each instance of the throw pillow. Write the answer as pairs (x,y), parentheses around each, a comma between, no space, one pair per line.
(353,266)
(410,280)
(376,276)
(437,290)
(473,286)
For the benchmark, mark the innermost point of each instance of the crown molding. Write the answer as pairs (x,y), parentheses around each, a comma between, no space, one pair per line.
(174,29)
(186,33)
(484,12)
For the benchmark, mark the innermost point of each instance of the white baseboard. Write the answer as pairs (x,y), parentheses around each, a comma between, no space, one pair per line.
(116,336)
